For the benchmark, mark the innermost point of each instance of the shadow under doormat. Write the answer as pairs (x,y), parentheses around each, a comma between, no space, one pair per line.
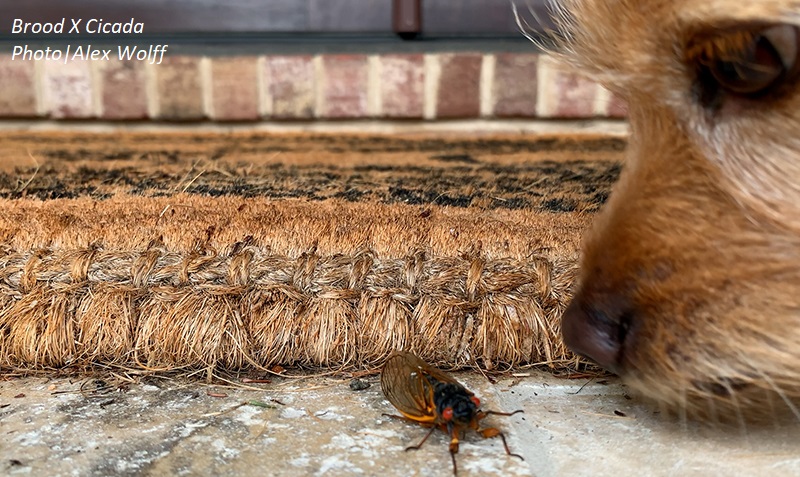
(160,251)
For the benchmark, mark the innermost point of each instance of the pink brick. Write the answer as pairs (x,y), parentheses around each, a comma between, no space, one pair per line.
(617,107)
(459,86)
(574,96)
(514,88)
(290,82)
(234,88)
(18,91)
(124,91)
(344,92)
(180,90)
(68,89)
(402,85)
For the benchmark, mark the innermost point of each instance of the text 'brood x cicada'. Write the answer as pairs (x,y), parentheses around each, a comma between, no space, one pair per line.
(432,398)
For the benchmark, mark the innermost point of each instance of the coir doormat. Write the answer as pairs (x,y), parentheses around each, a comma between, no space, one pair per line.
(229,251)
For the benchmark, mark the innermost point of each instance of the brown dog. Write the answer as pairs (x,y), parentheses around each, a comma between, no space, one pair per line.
(690,286)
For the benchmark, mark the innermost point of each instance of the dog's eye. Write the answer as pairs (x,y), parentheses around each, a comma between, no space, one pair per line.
(745,62)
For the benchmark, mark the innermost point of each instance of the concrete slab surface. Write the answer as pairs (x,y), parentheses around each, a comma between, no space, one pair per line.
(320,426)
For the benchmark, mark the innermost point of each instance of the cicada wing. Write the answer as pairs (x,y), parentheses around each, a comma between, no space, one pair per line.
(408,383)
(405,384)
(435,373)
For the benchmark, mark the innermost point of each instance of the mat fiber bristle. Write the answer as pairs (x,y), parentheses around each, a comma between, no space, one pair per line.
(160,251)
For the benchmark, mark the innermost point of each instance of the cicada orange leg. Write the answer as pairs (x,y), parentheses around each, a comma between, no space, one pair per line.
(494,432)
(418,446)
(423,424)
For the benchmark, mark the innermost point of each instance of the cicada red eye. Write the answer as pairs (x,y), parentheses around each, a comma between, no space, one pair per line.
(447,414)
(476,401)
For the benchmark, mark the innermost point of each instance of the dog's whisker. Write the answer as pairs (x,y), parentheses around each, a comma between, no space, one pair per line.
(769,399)
(737,409)
(525,29)
(683,410)
(788,402)
(531,32)
(712,410)
(772,390)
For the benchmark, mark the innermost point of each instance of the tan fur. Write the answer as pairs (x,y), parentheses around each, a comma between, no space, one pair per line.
(701,236)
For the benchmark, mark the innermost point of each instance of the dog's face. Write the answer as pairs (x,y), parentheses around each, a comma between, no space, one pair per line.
(690,285)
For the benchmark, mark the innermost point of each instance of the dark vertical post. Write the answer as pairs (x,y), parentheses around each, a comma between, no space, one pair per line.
(407,18)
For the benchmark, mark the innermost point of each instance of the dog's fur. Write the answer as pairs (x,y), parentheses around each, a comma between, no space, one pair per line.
(690,286)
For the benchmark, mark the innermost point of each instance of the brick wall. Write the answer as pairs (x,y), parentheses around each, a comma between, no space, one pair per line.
(302,87)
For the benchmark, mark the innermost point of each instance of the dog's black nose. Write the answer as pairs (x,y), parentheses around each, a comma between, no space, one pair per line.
(597,330)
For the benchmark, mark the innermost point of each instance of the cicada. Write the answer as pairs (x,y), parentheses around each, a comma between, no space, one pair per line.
(432,398)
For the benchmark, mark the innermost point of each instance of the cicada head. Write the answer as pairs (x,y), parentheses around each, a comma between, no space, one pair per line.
(455,404)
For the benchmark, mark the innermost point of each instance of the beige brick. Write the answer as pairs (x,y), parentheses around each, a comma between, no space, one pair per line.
(344,86)
(289,85)
(234,88)
(68,89)
(564,94)
(402,84)
(124,94)
(18,92)
(459,86)
(180,88)
(515,84)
